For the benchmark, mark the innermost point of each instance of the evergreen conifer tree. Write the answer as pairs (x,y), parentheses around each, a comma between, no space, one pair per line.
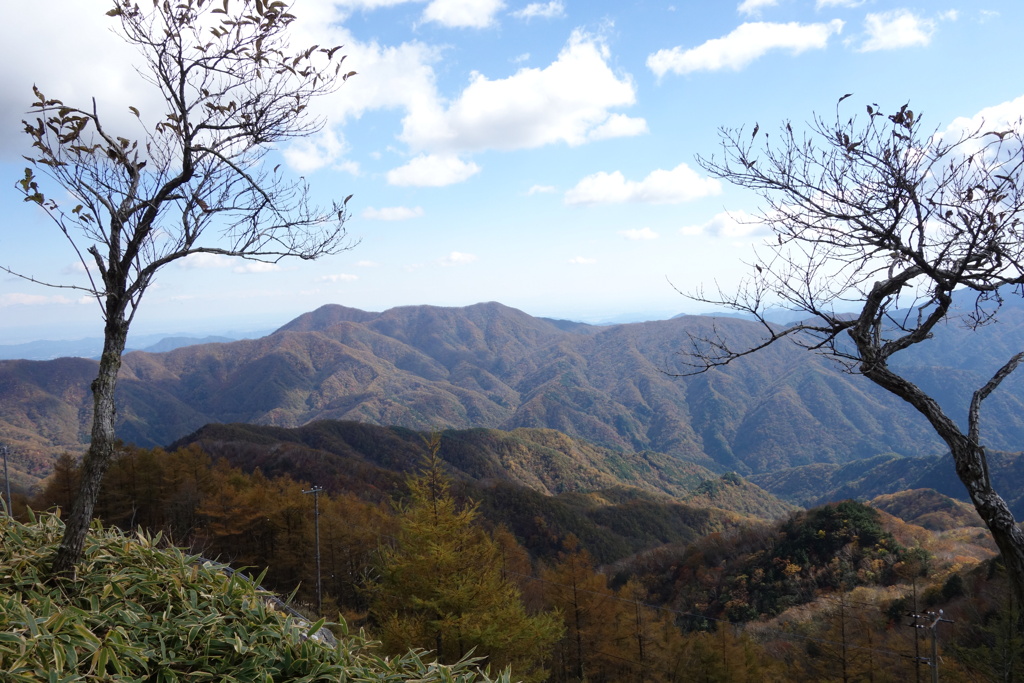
(441,585)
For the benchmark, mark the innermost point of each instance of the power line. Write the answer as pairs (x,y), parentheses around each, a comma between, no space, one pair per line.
(937,618)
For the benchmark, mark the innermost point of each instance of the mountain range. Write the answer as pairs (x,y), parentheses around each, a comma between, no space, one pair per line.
(92,347)
(866,479)
(623,387)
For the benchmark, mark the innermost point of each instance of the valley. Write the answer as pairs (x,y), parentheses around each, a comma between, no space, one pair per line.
(754,504)
(621,387)
(661,584)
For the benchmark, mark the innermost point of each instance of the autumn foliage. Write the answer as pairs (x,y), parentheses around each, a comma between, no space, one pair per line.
(420,564)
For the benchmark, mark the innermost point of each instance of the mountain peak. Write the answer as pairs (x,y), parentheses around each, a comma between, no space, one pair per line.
(490,365)
(325,317)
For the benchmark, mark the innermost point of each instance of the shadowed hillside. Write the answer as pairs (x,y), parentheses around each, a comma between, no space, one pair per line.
(351,455)
(888,474)
(539,484)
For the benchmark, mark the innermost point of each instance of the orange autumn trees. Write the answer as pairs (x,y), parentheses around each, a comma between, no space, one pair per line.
(248,520)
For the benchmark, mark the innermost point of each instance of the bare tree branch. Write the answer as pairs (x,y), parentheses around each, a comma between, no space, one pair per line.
(889,220)
(195,182)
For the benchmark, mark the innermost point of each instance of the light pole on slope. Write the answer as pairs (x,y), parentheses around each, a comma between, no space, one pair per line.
(7,483)
(316,490)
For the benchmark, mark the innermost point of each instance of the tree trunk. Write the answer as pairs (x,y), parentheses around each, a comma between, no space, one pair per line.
(972,469)
(101,449)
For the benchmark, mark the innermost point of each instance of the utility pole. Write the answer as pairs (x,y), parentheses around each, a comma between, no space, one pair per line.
(933,661)
(316,490)
(7,483)
(918,659)
(917,640)
(935,646)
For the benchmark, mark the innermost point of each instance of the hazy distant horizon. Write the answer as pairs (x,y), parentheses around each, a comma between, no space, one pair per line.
(245,327)
(537,154)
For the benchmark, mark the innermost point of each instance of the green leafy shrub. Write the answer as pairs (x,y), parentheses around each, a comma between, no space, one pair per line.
(135,612)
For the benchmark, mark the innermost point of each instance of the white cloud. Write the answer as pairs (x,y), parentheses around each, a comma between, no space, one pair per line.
(19,299)
(745,44)
(567,101)
(309,154)
(542,189)
(79,268)
(390,77)
(463,13)
(457,258)
(70,30)
(728,224)
(396,77)
(393,213)
(339,277)
(749,7)
(571,100)
(204,260)
(370,4)
(998,117)
(582,261)
(257,267)
(639,234)
(350,167)
(821,4)
(681,184)
(541,10)
(432,170)
(450,13)
(619,126)
(896,29)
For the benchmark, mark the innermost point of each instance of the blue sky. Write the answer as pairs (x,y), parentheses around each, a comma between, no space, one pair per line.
(540,154)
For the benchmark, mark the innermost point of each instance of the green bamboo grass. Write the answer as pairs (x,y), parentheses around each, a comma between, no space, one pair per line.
(138,612)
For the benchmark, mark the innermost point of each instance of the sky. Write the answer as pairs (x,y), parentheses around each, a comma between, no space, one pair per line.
(538,154)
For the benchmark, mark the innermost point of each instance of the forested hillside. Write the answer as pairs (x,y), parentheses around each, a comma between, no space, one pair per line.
(495,367)
(620,584)
(814,484)
(540,484)
(544,460)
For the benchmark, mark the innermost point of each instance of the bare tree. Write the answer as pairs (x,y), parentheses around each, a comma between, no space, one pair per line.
(195,182)
(886,218)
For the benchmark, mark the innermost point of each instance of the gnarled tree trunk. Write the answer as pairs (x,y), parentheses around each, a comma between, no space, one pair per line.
(969,459)
(101,448)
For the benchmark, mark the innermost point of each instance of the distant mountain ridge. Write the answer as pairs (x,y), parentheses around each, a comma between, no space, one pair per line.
(491,366)
(93,347)
(819,483)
